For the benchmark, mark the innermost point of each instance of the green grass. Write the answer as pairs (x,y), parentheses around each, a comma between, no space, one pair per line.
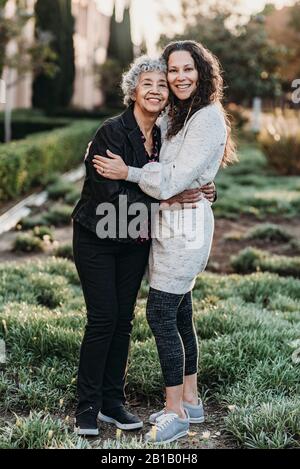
(248,328)
(251,188)
(39,431)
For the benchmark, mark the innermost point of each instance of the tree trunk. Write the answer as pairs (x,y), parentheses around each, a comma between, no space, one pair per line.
(7,112)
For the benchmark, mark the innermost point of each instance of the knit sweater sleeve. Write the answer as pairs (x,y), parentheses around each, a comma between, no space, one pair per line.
(203,140)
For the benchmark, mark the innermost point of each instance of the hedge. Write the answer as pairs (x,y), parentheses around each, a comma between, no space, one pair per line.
(29,162)
(23,127)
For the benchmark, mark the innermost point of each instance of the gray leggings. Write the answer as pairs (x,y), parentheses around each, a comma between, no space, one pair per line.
(170,318)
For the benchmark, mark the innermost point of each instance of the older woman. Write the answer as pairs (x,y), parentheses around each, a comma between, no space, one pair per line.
(111,263)
(196,144)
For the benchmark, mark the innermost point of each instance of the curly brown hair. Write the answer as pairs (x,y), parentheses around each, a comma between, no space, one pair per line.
(209,90)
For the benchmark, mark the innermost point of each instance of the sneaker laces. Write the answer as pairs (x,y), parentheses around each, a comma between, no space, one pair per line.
(163,420)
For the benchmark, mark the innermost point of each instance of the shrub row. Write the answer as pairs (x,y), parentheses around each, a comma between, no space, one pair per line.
(30,162)
(22,127)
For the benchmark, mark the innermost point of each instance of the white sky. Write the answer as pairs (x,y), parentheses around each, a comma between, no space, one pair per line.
(145,15)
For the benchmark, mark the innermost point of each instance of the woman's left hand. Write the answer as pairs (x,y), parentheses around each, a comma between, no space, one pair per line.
(112,167)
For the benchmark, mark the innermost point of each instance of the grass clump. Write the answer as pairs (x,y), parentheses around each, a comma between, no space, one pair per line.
(60,189)
(269,232)
(59,215)
(39,430)
(65,251)
(251,260)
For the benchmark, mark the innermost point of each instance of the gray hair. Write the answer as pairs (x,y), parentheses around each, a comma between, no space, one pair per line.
(141,65)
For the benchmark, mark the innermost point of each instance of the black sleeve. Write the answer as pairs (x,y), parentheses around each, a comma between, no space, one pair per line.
(106,190)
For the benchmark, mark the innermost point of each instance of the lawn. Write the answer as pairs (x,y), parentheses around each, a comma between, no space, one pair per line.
(251,188)
(248,324)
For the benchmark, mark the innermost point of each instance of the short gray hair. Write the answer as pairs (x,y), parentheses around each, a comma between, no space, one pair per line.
(131,77)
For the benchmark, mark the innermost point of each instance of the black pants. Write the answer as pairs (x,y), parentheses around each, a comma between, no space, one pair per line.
(110,273)
(170,317)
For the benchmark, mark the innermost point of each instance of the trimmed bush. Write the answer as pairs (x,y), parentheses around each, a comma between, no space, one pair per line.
(30,222)
(269,232)
(24,164)
(72,197)
(21,128)
(26,242)
(65,251)
(60,189)
(280,142)
(59,215)
(44,232)
(252,260)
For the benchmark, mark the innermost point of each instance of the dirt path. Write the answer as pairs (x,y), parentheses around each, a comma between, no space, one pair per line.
(221,251)
(208,435)
(62,235)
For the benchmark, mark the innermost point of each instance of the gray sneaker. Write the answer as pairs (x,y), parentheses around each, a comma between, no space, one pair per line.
(196,413)
(168,427)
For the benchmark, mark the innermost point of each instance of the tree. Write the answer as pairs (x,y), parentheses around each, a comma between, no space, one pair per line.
(249,60)
(55,21)
(283,27)
(119,55)
(26,56)
(120,47)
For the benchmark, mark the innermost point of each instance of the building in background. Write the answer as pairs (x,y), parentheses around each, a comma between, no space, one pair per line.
(20,94)
(90,42)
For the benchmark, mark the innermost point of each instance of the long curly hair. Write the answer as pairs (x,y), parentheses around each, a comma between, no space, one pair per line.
(209,90)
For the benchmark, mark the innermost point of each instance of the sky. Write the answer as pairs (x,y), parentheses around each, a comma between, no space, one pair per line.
(145,15)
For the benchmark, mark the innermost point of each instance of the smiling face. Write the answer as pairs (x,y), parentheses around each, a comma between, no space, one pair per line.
(152,93)
(182,74)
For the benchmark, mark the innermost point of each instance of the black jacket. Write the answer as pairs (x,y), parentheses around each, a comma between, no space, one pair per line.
(121,135)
